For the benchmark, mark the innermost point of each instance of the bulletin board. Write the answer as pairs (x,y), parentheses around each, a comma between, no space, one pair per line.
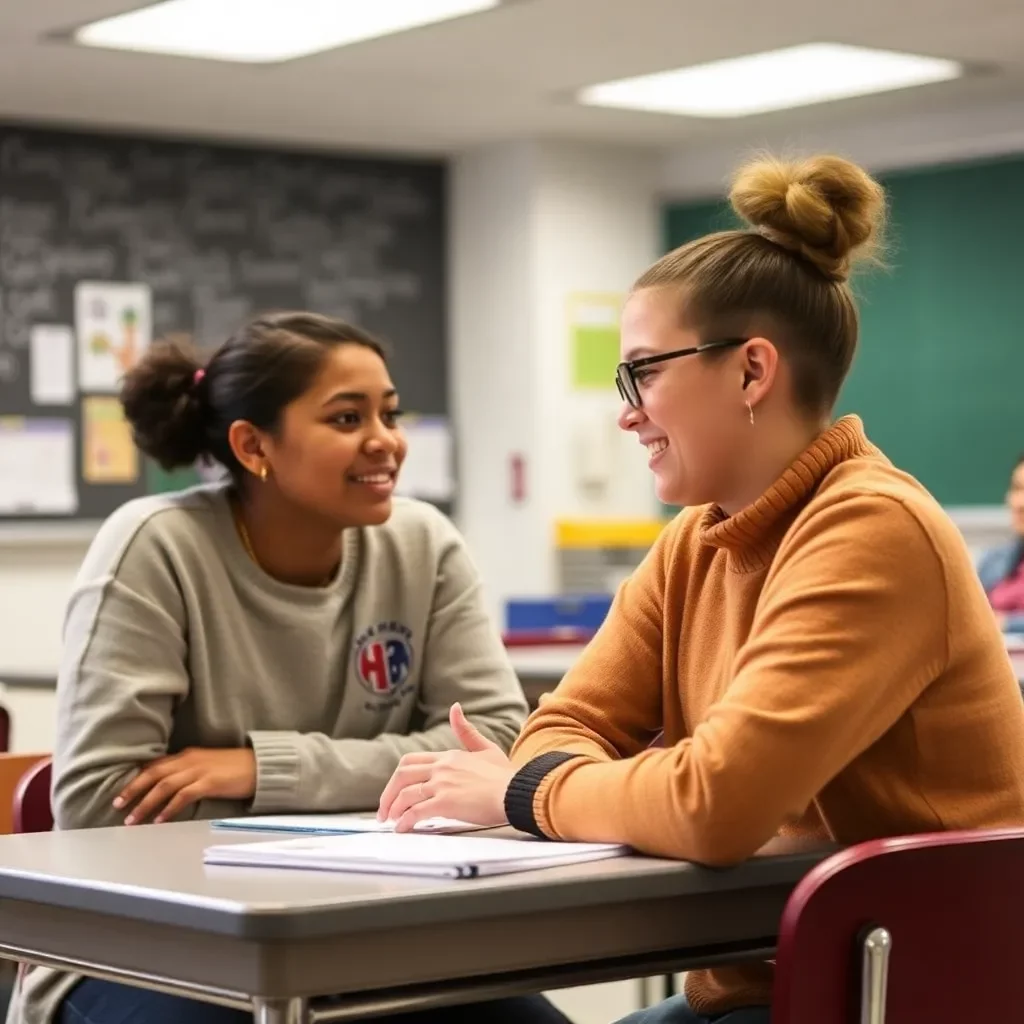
(107,242)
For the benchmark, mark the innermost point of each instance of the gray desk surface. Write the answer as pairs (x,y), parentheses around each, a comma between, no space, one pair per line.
(156,873)
(141,902)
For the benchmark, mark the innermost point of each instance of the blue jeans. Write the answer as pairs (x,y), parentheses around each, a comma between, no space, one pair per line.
(104,1002)
(677,1011)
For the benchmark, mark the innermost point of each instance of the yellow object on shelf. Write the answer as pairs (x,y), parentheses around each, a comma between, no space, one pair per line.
(607,533)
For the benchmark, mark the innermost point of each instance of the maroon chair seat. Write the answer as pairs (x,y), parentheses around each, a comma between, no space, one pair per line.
(921,929)
(32,810)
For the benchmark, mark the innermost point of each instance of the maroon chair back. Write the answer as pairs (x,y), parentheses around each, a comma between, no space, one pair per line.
(5,730)
(933,922)
(32,809)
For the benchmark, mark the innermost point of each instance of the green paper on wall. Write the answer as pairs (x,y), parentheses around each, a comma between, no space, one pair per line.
(595,356)
(594,340)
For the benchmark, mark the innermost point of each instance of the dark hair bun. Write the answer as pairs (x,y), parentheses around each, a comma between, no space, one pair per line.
(825,208)
(164,402)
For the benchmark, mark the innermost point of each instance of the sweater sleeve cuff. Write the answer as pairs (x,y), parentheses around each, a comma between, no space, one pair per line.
(519,797)
(277,770)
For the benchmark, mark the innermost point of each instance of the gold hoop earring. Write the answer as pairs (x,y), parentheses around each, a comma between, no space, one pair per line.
(750,410)
(263,473)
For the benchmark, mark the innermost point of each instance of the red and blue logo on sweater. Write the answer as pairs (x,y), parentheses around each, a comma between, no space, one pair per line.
(383,658)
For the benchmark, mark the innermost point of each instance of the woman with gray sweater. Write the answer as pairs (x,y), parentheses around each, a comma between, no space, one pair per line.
(271,643)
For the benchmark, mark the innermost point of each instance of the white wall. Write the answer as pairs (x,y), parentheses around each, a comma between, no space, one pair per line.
(531,224)
(494,362)
(35,580)
(597,228)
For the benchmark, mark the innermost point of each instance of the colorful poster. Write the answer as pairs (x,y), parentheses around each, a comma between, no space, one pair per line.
(109,455)
(114,324)
(37,467)
(594,340)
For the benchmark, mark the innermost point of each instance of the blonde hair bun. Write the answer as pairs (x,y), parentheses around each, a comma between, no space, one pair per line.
(825,208)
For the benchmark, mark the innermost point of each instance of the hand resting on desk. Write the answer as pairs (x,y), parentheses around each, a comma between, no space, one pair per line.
(166,786)
(467,784)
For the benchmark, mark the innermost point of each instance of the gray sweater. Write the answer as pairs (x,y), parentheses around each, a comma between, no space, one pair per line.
(174,637)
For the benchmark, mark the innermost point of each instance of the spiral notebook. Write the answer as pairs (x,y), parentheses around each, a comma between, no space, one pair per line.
(411,853)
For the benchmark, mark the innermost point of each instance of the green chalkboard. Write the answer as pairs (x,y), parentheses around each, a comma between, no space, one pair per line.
(939,377)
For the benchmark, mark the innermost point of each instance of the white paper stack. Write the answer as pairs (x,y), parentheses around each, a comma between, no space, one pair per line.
(411,853)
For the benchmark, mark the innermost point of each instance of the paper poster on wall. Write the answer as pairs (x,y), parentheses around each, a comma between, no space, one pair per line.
(37,467)
(108,454)
(114,324)
(594,339)
(52,364)
(428,470)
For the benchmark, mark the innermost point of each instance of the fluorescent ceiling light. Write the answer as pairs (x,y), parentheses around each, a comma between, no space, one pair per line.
(777,80)
(265,31)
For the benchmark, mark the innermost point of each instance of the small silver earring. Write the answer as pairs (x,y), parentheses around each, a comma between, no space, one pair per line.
(750,410)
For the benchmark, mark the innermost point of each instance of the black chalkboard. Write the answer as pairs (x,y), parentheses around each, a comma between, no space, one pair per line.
(217,233)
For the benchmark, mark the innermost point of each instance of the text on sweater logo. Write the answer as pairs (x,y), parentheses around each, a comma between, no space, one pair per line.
(383,657)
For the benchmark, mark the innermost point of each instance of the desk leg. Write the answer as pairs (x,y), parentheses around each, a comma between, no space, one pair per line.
(280,1011)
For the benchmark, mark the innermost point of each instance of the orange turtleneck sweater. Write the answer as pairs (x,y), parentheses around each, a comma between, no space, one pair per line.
(824,663)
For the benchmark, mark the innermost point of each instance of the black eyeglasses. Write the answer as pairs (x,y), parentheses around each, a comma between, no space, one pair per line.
(625,373)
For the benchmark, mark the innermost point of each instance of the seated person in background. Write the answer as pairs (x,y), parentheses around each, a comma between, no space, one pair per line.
(809,632)
(1002,569)
(272,643)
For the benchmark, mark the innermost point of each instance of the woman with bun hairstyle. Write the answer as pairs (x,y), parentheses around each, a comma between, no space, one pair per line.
(809,632)
(272,643)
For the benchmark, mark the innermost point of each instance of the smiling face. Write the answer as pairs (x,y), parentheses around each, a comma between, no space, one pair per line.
(693,421)
(338,448)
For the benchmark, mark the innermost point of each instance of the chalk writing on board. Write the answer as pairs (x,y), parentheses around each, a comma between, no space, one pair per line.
(18,155)
(216,315)
(9,367)
(216,234)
